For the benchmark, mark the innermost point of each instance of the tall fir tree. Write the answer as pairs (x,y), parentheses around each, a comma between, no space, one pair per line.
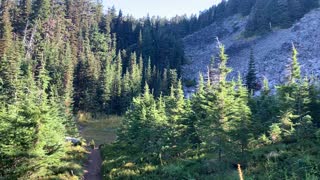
(295,72)
(24,12)
(41,10)
(251,78)
(6,29)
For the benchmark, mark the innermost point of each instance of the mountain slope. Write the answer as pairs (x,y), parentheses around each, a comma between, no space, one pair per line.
(272,51)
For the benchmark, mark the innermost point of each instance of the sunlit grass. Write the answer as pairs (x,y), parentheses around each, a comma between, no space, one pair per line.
(99,127)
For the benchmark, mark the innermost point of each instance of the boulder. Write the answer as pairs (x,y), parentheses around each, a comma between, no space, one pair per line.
(74,141)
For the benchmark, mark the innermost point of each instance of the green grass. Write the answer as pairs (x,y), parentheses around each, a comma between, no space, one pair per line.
(100,128)
(128,162)
(72,169)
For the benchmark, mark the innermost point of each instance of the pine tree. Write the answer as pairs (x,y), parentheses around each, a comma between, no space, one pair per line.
(199,104)
(293,93)
(279,13)
(140,40)
(6,29)
(275,133)
(259,22)
(219,111)
(265,88)
(148,73)
(135,75)
(265,109)
(126,94)
(118,75)
(41,10)
(10,71)
(240,122)
(223,69)
(294,99)
(132,62)
(50,128)
(107,86)
(164,82)
(173,78)
(23,16)
(251,78)
(18,127)
(87,73)
(175,103)
(151,122)
(314,103)
(98,11)
(68,81)
(295,73)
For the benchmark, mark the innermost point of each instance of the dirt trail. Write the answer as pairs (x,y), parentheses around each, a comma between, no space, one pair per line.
(101,130)
(93,166)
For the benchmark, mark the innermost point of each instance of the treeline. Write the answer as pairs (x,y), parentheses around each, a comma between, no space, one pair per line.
(160,38)
(154,38)
(270,14)
(273,135)
(264,15)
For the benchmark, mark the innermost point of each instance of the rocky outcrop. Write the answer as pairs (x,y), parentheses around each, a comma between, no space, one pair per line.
(272,51)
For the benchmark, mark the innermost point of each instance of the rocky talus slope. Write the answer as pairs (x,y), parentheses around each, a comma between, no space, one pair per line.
(272,51)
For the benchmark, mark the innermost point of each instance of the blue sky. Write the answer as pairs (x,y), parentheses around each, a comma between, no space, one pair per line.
(163,8)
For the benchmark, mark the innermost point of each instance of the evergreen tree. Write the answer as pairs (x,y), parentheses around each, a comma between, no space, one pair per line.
(173,78)
(118,75)
(223,69)
(199,104)
(9,72)
(145,116)
(24,12)
(314,103)
(294,100)
(258,22)
(51,130)
(176,103)
(98,11)
(295,73)
(164,82)
(126,95)
(221,101)
(18,130)
(240,122)
(265,109)
(148,73)
(41,10)
(5,28)
(251,78)
(135,75)
(200,95)
(279,13)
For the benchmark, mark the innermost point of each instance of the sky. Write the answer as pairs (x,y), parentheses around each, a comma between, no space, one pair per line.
(163,8)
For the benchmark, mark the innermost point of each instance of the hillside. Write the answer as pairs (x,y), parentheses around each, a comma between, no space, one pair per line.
(272,51)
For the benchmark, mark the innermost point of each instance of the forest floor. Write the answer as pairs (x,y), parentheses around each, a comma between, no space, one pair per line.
(98,130)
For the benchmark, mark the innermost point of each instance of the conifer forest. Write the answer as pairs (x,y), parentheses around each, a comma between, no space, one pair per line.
(66,63)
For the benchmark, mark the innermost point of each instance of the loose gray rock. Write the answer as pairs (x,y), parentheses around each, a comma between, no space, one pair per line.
(74,141)
(272,51)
